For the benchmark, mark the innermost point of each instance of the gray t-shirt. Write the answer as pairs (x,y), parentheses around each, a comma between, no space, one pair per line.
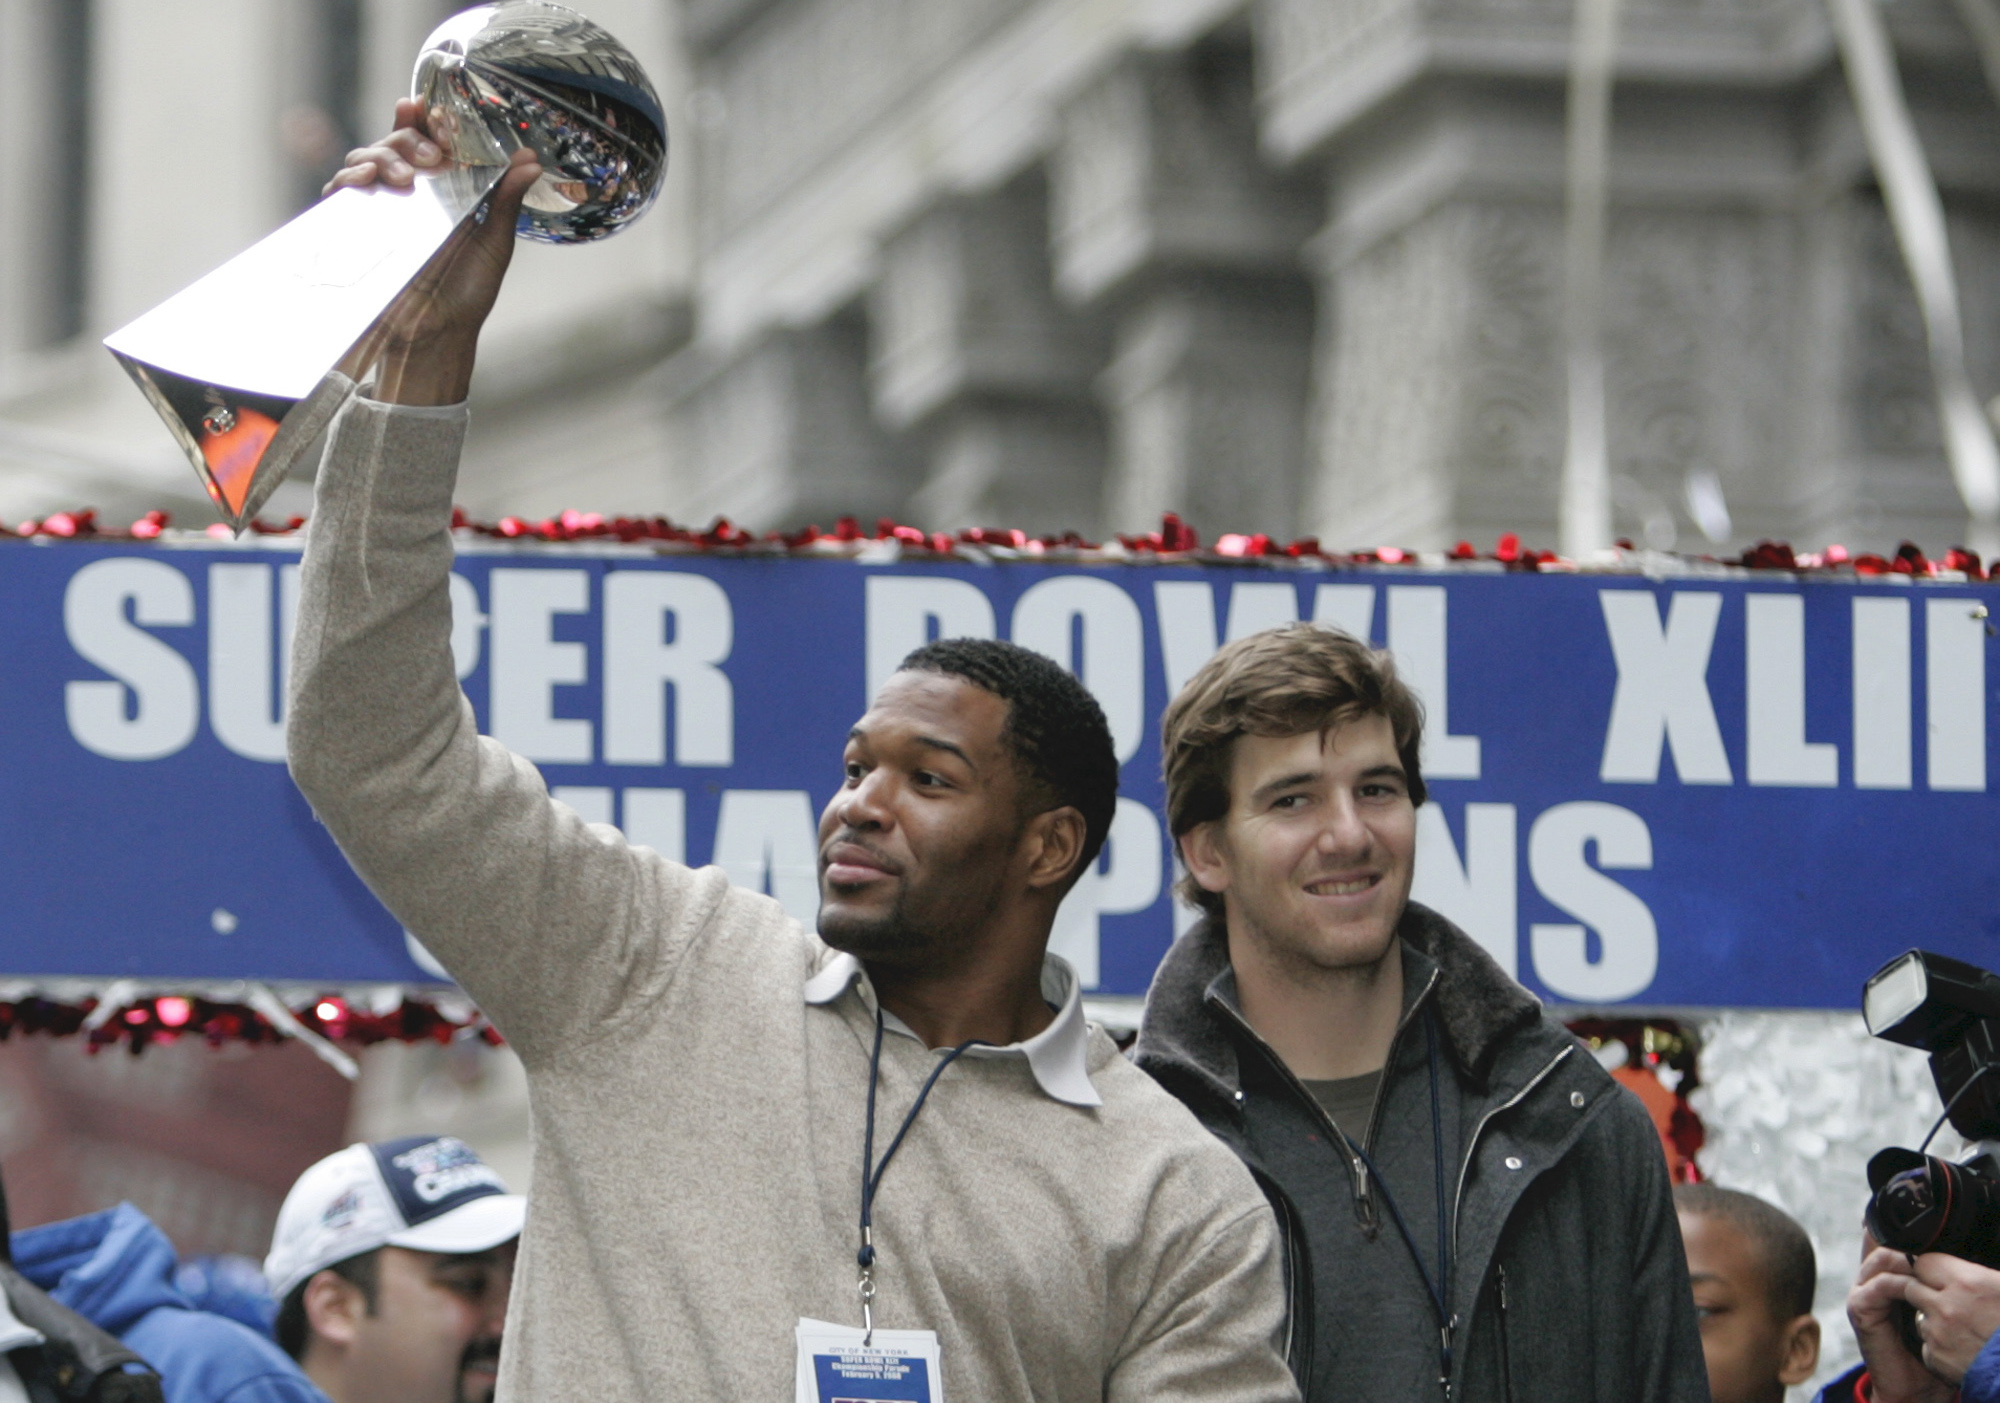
(1350,1101)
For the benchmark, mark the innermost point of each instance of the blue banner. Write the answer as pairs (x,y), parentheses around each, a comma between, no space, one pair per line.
(1689,791)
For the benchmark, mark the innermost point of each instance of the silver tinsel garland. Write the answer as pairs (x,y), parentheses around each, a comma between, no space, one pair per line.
(1794,1104)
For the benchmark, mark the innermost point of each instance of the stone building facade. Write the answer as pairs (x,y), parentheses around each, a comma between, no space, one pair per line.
(1296,266)
(1281,265)
(150,143)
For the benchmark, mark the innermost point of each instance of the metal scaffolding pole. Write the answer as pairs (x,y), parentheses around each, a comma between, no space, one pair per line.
(1585,512)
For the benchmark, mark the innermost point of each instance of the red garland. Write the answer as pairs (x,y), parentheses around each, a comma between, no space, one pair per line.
(1174,538)
(166,1018)
(1653,1047)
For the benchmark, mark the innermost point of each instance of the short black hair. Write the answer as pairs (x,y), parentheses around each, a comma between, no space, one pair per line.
(364,1272)
(1055,728)
(1791,1270)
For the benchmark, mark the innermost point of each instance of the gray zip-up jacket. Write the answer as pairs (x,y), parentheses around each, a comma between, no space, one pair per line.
(1562,1259)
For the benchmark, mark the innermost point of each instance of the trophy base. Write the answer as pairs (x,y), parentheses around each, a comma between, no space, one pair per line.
(241,444)
(240,364)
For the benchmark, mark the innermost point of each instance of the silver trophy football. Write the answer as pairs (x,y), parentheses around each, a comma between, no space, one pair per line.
(240,364)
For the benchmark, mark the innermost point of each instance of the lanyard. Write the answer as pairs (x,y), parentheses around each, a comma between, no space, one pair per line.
(1440,1288)
(871,1178)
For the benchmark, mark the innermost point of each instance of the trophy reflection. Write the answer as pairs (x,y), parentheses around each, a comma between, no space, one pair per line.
(241,365)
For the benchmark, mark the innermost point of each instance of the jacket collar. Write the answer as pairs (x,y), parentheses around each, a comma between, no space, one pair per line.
(1479,1008)
(1058,1055)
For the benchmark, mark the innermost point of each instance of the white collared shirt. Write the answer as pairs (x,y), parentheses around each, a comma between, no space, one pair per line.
(1058,1055)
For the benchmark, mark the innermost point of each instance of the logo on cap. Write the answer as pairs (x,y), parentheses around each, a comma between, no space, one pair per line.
(341,1211)
(428,1178)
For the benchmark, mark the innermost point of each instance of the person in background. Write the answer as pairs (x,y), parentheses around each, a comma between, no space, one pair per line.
(228,1285)
(51,1354)
(392,1265)
(116,1269)
(1473,1208)
(1753,1272)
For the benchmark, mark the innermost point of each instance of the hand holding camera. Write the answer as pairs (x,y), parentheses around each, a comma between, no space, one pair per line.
(1928,1296)
(1954,1305)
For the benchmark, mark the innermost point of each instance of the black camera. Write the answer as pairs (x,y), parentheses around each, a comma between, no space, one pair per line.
(1922,1203)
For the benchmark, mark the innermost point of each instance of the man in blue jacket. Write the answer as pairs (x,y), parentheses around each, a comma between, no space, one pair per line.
(393,1265)
(390,1262)
(116,1269)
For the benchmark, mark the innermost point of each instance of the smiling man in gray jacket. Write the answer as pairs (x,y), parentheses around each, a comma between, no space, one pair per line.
(1473,1209)
(704,1072)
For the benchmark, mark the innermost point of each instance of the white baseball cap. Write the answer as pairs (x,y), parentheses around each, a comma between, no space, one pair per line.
(426,1193)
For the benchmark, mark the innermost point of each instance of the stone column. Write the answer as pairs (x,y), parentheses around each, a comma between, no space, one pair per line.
(977,363)
(1759,332)
(1438,384)
(1874,471)
(1166,219)
(44,172)
(780,434)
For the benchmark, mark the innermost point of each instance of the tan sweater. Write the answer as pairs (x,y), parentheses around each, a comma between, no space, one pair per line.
(697,1123)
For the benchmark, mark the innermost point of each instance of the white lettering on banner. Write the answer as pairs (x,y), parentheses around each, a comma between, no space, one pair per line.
(1955,692)
(153,708)
(528,663)
(1776,750)
(657,819)
(1255,605)
(907,611)
(1418,637)
(1093,628)
(767,841)
(1662,694)
(423,959)
(1628,940)
(1186,611)
(250,657)
(1349,608)
(1881,659)
(1479,894)
(640,665)
(592,802)
(1125,878)
(468,622)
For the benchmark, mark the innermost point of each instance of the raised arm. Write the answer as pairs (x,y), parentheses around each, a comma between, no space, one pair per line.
(551,926)
(1214,1328)
(422,348)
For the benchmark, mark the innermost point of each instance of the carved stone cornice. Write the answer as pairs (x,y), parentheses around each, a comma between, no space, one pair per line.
(964,306)
(1157,169)
(1325,69)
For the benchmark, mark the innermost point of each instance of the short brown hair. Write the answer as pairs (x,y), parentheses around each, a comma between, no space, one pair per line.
(1281,682)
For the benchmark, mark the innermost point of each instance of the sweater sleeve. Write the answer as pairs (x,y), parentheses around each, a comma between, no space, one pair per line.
(1214,1328)
(551,925)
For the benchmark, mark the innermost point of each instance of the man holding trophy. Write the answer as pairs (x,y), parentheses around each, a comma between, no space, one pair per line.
(866,1163)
